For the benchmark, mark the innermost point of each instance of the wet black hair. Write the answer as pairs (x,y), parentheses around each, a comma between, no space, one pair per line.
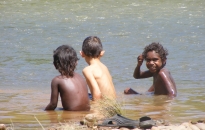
(158,48)
(92,46)
(65,60)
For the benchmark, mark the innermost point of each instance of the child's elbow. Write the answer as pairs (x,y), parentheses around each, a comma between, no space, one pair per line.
(97,97)
(136,77)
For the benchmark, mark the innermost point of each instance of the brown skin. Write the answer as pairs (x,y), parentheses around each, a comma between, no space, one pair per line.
(163,83)
(73,92)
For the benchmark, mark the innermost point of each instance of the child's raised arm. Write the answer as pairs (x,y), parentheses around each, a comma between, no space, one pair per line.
(138,73)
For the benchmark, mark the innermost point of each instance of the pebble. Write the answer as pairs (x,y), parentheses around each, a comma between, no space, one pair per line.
(90,117)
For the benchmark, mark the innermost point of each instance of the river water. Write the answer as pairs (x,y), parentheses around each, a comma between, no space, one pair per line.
(32,29)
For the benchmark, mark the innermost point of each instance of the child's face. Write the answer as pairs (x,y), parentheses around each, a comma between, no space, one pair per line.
(153,62)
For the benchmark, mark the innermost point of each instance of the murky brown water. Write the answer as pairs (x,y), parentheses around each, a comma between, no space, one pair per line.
(25,109)
(32,29)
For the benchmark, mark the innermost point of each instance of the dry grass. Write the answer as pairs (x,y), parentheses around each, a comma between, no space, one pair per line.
(109,107)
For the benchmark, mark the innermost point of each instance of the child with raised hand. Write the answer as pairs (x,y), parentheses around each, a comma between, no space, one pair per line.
(71,86)
(155,56)
(96,73)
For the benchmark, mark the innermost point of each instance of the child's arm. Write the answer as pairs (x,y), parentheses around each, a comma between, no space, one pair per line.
(169,83)
(92,83)
(151,89)
(54,96)
(138,73)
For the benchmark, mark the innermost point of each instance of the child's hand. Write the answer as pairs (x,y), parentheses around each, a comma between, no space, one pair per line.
(140,60)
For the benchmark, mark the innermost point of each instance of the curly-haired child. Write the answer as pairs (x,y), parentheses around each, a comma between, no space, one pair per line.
(71,86)
(155,56)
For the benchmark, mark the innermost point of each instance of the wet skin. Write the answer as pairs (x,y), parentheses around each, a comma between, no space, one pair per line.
(163,83)
(73,92)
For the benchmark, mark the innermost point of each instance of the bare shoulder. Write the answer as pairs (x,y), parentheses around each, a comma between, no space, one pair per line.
(56,79)
(78,76)
(59,79)
(164,73)
(87,70)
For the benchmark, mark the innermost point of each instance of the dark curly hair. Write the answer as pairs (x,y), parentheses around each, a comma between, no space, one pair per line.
(92,46)
(65,60)
(158,48)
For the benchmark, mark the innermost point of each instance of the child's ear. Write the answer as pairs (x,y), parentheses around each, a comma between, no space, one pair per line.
(164,61)
(102,53)
(82,54)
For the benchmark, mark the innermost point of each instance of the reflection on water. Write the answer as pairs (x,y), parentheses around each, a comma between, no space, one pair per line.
(23,107)
(32,29)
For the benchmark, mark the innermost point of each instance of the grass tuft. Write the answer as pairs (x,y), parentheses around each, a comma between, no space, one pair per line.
(109,107)
(39,122)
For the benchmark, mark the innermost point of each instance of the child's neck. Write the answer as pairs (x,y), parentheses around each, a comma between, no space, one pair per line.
(91,60)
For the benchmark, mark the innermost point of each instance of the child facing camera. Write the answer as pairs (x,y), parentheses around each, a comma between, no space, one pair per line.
(155,56)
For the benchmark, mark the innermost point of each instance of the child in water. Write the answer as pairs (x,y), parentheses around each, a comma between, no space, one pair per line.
(70,85)
(155,57)
(96,73)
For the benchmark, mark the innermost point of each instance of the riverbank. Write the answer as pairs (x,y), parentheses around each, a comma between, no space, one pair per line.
(90,122)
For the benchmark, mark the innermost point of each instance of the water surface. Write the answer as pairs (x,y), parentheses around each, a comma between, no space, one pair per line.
(32,29)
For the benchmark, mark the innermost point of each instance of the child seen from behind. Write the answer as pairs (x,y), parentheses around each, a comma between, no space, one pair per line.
(96,73)
(70,85)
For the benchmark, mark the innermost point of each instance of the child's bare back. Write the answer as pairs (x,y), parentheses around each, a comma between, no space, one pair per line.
(99,78)
(97,74)
(73,92)
(70,85)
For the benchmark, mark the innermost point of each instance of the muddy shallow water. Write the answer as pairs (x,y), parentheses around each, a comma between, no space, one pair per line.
(22,107)
(31,30)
